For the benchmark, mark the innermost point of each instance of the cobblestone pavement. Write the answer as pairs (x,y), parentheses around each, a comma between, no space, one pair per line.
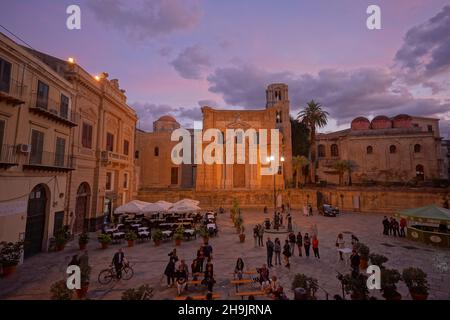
(34,278)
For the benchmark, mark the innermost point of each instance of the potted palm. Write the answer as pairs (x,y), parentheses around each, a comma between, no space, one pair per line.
(204,233)
(10,255)
(105,240)
(179,235)
(310,285)
(157,237)
(356,286)
(59,291)
(363,252)
(83,240)
(130,236)
(389,280)
(416,281)
(61,239)
(242,233)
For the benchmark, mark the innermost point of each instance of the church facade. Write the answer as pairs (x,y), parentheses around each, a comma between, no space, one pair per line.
(158,171)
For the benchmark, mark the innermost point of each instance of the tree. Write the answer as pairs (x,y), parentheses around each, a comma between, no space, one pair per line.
(300,137)
(313,117)
(299,163)
(343,166)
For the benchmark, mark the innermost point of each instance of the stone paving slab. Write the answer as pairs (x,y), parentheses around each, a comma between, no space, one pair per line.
(35,276)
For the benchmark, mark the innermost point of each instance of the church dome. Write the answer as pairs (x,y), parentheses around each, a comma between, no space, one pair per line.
(165,123)
(167,118)
(381,122)
(360,123)
(402,121)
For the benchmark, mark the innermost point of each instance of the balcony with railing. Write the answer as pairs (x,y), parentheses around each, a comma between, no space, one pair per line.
(54,110)
(114,158)
(8,156)
(50,161)
(12,92)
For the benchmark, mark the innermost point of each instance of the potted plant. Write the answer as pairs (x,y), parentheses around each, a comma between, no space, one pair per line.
(204,233)
(85,279)
(416,281)
(389,280)
(179,235)
(105,240)
(378,260)
(234,210)
(309,284)
(10,255)
(157,237)
(130,236)
(83,240)
(363,252)
(59,291)
(61,239)
(140,293)
(356,286)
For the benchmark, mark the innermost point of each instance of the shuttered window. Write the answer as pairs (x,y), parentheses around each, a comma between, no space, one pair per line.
(37,145)
(86,136)
(5,75)
(60,152)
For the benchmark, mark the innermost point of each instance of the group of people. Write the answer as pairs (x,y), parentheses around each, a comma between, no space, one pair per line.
(258,234)
(178,273)
(393,227)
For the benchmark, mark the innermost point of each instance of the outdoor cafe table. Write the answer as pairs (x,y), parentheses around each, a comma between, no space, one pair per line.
(190,232)
(211,217)
(111,230)
(167,234)
(211,225)
(142,229)
(135,225)
(187,219)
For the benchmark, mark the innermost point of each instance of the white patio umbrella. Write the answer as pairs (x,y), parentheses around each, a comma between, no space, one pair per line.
(152,208)
(176,208)
(187,202)
(164,204)
(134,206)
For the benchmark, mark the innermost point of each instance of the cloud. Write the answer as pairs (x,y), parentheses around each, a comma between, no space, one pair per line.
(191,62)
(150,112)
(207,102)
(425,52)
(146,19)
(165,51)
(344,93)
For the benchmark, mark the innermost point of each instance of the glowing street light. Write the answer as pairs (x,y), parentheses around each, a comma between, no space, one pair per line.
(97,77)
(71,60)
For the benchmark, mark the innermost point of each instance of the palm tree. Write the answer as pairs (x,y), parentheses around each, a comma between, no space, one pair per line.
(343,166)
(299,163)
(351,166)
(313,117)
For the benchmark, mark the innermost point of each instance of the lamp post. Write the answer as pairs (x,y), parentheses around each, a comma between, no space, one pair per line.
(270,159)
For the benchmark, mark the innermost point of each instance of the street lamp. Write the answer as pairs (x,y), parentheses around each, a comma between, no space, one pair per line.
(269,160)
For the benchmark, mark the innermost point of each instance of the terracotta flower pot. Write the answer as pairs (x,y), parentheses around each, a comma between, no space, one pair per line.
(82,246)
(9,270)
(177,242)
(105,245)
(130,243)
(81,293)
(242,237)
(418,296)
(157,242)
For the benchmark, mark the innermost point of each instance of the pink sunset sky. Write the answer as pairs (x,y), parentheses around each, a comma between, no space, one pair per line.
(171,56)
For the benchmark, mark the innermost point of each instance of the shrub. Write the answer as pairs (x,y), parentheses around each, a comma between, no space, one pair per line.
(10,253)
(158,235)
(130,236)
(59,291)
(104,238)
(83,238)
(309,284)
(378,260)
(416,280)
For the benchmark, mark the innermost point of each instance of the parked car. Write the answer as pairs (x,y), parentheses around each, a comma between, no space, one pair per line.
(329,211)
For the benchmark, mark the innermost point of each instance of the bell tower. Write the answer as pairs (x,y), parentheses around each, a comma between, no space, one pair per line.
(277,97)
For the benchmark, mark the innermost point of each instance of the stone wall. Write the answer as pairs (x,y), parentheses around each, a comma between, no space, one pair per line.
(348,199)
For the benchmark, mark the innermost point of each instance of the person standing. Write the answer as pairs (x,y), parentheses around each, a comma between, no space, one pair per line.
(287,253)
(340,244)
(260,235)
(315,247)
(310,210)
(277,250)
(209,277)
(385,226)
(306,244)
(255,234)
(208,250)
(355,260)
(169,272)
(117,261)
(299,243)
(396,227)
(391,226)
(402,227)
(289,219)
(269,247)
(292,241)
(200,258)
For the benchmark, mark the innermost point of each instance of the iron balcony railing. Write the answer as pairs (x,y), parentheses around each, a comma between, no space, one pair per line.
(13,91)
(51,160)
(55,109)
(8,154)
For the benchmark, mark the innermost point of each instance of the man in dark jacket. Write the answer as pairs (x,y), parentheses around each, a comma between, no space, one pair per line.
(354,262)
(385,226)
(118,261)
(270,247)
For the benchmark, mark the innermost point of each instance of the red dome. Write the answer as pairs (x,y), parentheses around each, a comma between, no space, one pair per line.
(402,121)
(381,122)
(360,123)
(167,118)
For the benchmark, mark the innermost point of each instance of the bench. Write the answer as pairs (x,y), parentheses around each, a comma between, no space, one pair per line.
(238,282)
(195,282)
(250,293)
(245,272)
(202,297)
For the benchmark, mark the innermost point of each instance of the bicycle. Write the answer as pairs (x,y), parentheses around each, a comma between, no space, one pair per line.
(107,275)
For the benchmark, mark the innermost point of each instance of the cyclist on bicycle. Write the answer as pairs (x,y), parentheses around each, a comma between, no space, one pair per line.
(118,262)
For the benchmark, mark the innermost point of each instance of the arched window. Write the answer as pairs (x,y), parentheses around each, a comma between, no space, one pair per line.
(156,152)
(334,150)
(417,148)
(392,149)
(369,150)
(420,173)
(321,150)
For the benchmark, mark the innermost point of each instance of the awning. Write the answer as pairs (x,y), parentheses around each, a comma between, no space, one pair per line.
(427,214)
